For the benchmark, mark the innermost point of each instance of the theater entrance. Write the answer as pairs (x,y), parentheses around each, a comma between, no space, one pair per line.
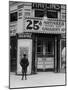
(45,48)
(45,54)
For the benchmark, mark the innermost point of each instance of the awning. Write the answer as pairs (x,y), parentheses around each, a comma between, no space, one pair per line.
(45,32)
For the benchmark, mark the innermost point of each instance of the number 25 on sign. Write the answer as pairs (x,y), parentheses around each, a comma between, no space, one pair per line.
(33,24)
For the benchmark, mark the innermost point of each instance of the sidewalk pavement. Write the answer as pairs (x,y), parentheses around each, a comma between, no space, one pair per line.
(39,79)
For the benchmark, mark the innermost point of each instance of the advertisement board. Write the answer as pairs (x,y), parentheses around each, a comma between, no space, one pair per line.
(24,47)
(46,26)
(13,29)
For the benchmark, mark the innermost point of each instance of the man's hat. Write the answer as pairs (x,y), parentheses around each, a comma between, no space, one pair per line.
(24,55)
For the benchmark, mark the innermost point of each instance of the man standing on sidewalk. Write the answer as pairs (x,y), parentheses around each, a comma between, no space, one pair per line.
(24,64)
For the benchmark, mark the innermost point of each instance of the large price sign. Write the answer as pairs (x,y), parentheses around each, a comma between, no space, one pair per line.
(33,24)
(36,25)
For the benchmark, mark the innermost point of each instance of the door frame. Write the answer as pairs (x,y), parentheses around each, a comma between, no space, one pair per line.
(36,57)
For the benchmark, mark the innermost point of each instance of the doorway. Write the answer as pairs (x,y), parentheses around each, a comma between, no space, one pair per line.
(45,54)
(13,53)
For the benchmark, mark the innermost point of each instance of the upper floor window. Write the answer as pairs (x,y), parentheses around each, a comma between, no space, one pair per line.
(52,14)
(13,16)
(39,13)
(49,14)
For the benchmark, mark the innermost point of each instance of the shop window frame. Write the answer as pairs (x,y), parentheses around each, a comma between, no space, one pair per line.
(45,13)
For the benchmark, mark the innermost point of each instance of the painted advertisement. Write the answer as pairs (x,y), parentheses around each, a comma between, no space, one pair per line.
(40,25)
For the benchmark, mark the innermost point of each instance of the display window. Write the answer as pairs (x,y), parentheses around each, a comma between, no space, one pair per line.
(63,54)
(45,54)
(45,47)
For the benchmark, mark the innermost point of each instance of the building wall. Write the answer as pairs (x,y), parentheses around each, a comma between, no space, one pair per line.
(26,13)
(25,10)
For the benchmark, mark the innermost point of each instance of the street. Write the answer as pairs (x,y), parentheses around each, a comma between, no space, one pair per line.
(39,79)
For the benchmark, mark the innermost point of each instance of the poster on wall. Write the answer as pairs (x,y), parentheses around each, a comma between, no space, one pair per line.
(24,48)
(22,51)
(37,44)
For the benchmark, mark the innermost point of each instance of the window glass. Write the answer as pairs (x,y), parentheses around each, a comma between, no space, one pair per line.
(52,14)
(39,43)
(49,14)
(13,17)
(45,47)
(49,47)
(39,47)
(39,13)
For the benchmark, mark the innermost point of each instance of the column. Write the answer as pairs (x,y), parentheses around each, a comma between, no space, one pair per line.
(55,58)
(58,56)
(36,55)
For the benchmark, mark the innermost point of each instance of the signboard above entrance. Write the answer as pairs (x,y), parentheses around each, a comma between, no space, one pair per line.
(39,25)
(24,35)
(46,6)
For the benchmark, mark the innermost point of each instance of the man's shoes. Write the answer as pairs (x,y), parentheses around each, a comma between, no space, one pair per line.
(22,79)
(25,78)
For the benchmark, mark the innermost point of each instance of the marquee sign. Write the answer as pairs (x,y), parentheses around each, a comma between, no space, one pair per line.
(39,25)
(56,7)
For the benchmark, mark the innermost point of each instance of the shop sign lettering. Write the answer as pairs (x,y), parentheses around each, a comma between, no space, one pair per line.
(32,24)
(24,35)
(41,25)
(47,6)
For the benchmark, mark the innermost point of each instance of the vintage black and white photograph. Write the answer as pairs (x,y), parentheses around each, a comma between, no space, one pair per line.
(37,44)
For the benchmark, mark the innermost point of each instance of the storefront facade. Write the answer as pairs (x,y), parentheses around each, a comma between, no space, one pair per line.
(38,30)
